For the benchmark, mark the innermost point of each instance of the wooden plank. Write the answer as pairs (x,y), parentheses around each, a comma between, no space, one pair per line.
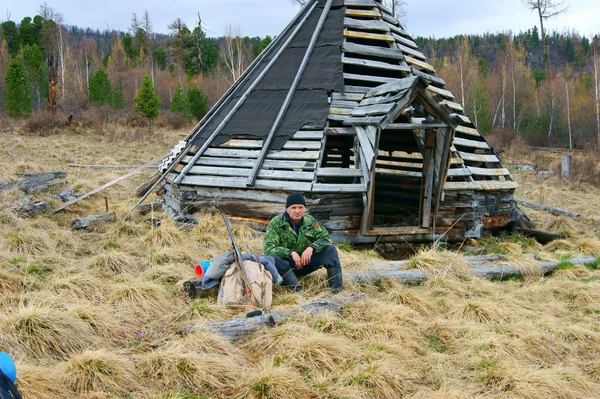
(393,86)
(467,130)
(369,120)
(428,77)
(359,3)
(453,105)
(421,64)
(233,153)
(340,111)
(381,231)
(372,51)
(405,41)
(456,161)
(461,118)
(308,135)
(236,182)
(289,145)
(383,99)
(343,104)
(461,186)
(397,29)
(348,96)
(471,143)
(368,78)
(478,157)
(366,147)
(415,126)
(357,89)
(363,13)
(372,135)
(338,188)
(368,36)
(375,64)
(498,185)
(441,92)
(248,163)
(413,53)
(240,172)
(366,25)
(489,172)
(340,131)
(456,172)
(339,172)
(377,109)
(388,18)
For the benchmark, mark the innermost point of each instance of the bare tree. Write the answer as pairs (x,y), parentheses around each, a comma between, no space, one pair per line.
(546,9)
(233,52)
(398,8)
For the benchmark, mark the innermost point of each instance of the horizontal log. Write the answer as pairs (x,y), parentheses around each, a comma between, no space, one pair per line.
(368,36)
(368,78)
(379,52)
(552,210)
(366,25)
(257,144)
(363,13)
(243,172)
(253,154)
(479,267)
(441,92)
(237,328)
(471,143)
(375,64)
(418,63)
(429,77)
(236,182)
(83,223)
(467,130)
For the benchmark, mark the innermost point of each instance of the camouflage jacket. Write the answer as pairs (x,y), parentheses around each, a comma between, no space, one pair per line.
(281,239)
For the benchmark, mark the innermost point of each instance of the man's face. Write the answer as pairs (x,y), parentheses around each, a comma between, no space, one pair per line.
(296,212)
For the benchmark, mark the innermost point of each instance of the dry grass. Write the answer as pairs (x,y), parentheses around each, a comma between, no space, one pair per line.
(94,314)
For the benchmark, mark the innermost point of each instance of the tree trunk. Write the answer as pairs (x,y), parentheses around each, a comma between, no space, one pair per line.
(597,81)
(569,116)
(543,40)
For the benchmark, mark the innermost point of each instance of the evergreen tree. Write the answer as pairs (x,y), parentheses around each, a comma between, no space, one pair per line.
(100,90)
(180,102)
(118,99)
(10,33)
(146,102)
(18,91)
(38,76)
(198,102)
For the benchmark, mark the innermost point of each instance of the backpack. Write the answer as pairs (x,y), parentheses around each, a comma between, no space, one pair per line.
(233,290)
(8,390)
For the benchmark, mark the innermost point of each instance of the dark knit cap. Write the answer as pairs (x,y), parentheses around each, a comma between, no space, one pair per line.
(294,199)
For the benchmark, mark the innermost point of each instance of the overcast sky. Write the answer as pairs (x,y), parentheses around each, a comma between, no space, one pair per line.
(438,18)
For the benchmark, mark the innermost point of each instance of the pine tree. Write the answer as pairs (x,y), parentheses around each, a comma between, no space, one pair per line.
(100,90)
(198,102)
(146,102)
(118,99)
(18,91)
(180,102)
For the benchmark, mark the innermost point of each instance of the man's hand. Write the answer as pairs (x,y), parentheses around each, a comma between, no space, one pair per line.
(297,260)
(307,255)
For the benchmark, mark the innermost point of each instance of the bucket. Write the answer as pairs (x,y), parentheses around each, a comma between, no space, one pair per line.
(201,268)
(8,366)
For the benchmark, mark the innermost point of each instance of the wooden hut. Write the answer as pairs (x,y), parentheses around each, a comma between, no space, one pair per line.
(344,108)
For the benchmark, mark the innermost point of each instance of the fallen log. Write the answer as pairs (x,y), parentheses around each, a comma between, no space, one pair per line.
(83,223)
(33,209)
(479,266)
(542,237)
(147,208)
(237,328)
(552,210)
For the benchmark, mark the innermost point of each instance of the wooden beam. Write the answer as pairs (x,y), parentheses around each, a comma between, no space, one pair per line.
(381,52)
(363,13)
(467,130)
(368,36)
(236,182)
(339,188)
(374,64)
(478,157)
(366,25)
(441,92)
(368,78)
(488,172)
(552,210)
(421,64)
(471,143)
(339,172)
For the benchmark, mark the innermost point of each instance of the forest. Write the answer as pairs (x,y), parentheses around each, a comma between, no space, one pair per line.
(51,71)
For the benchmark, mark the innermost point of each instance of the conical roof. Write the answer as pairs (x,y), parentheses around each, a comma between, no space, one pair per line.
(341,69)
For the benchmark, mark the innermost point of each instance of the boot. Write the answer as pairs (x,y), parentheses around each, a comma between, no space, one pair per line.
(290,280)
(334,277)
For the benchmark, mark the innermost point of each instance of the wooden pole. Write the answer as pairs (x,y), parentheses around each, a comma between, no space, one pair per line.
(288,98)
(566,165)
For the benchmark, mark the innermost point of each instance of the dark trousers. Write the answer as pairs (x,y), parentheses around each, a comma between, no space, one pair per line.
(327,258)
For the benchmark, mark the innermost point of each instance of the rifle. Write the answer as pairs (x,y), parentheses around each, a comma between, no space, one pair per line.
(238,258)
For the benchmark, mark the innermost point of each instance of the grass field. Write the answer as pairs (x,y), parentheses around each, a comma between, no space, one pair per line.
(94,313)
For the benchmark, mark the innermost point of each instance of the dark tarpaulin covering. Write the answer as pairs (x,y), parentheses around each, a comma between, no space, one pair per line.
(309,104)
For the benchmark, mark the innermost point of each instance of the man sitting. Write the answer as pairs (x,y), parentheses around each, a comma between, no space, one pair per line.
(300,246)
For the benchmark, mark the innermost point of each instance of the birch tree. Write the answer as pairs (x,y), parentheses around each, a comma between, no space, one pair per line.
(233,52)
(596,67)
